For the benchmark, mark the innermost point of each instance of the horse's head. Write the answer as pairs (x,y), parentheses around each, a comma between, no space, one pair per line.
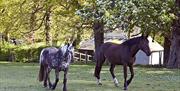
(68,55)
(70,49)
(144,45)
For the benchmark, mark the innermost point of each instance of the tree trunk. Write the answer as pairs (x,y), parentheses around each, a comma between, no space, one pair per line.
(33,21)
(6,35)
(174,58)
(32,26)
(167,44)
(79,38)
(98,28)
(47,26)
(129,34)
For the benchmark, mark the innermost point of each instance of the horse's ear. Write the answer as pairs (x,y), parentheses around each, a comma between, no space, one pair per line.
(74,43)
(68,44)
(145,35)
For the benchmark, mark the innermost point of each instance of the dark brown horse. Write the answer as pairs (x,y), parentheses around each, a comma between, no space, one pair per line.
(58,59)
(120,54)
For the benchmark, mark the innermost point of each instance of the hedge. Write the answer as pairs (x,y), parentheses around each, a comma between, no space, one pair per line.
(21,53)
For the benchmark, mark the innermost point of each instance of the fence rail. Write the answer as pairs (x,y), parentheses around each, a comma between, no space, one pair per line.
(83,57)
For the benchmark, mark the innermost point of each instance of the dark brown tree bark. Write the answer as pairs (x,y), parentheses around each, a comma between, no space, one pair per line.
(167,44)
(174,57)
(33,21)
(32,26)
(98,29)
(6,35)
(47,26)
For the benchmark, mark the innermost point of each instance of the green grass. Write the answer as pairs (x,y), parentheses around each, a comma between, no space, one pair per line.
(23,77)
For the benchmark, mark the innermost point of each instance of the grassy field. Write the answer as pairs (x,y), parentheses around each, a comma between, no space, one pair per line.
(23,77)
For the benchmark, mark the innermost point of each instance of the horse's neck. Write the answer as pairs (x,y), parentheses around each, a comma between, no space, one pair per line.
(64,49)
(134,49)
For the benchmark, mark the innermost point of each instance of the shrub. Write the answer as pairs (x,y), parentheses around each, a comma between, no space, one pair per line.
(21,53)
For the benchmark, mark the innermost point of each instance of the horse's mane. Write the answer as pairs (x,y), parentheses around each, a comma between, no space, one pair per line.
(132,41)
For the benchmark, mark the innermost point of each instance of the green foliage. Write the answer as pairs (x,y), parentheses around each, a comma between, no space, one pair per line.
(160,40)
(5,50)
(21,53)
(25,19)
(69,16)
(152,16)
(27,55)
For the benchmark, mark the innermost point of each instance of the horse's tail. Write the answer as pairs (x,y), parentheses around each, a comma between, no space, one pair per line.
(41,58)
(99,58)
(41,72)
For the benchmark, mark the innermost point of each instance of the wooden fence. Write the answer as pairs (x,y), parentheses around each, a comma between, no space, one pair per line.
(78,56)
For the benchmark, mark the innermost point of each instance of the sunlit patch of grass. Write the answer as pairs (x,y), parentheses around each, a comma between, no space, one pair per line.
(4,62)
(159,72)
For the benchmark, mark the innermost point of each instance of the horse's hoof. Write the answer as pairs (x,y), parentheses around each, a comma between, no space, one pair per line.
(50,86)
(64,89)
(99,83)
(117,85)
(125,88)
(44,86)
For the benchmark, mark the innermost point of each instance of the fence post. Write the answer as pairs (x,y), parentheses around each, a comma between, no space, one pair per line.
(160,55)
(79,56)
(86,56)
(151,58)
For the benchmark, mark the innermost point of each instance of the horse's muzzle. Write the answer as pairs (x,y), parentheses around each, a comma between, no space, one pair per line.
(149,53)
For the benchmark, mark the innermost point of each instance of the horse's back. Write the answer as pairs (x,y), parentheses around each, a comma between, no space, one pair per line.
(50,54)
(106,45)
(50,50)
(114,53)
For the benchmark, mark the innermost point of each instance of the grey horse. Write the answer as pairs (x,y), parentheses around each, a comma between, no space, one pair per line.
(58,59)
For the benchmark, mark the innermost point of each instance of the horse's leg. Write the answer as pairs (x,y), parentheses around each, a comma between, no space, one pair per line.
(45,76)
(97,74)
(65,80)
(57,79)
(132,74)
(113,76)
(125,76)
(99,62)
(49,81)
(97,71)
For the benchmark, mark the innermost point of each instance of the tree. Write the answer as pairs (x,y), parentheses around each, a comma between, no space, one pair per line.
(174,57)
(8,18)
(101,15)
(47,20)
(89,13)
